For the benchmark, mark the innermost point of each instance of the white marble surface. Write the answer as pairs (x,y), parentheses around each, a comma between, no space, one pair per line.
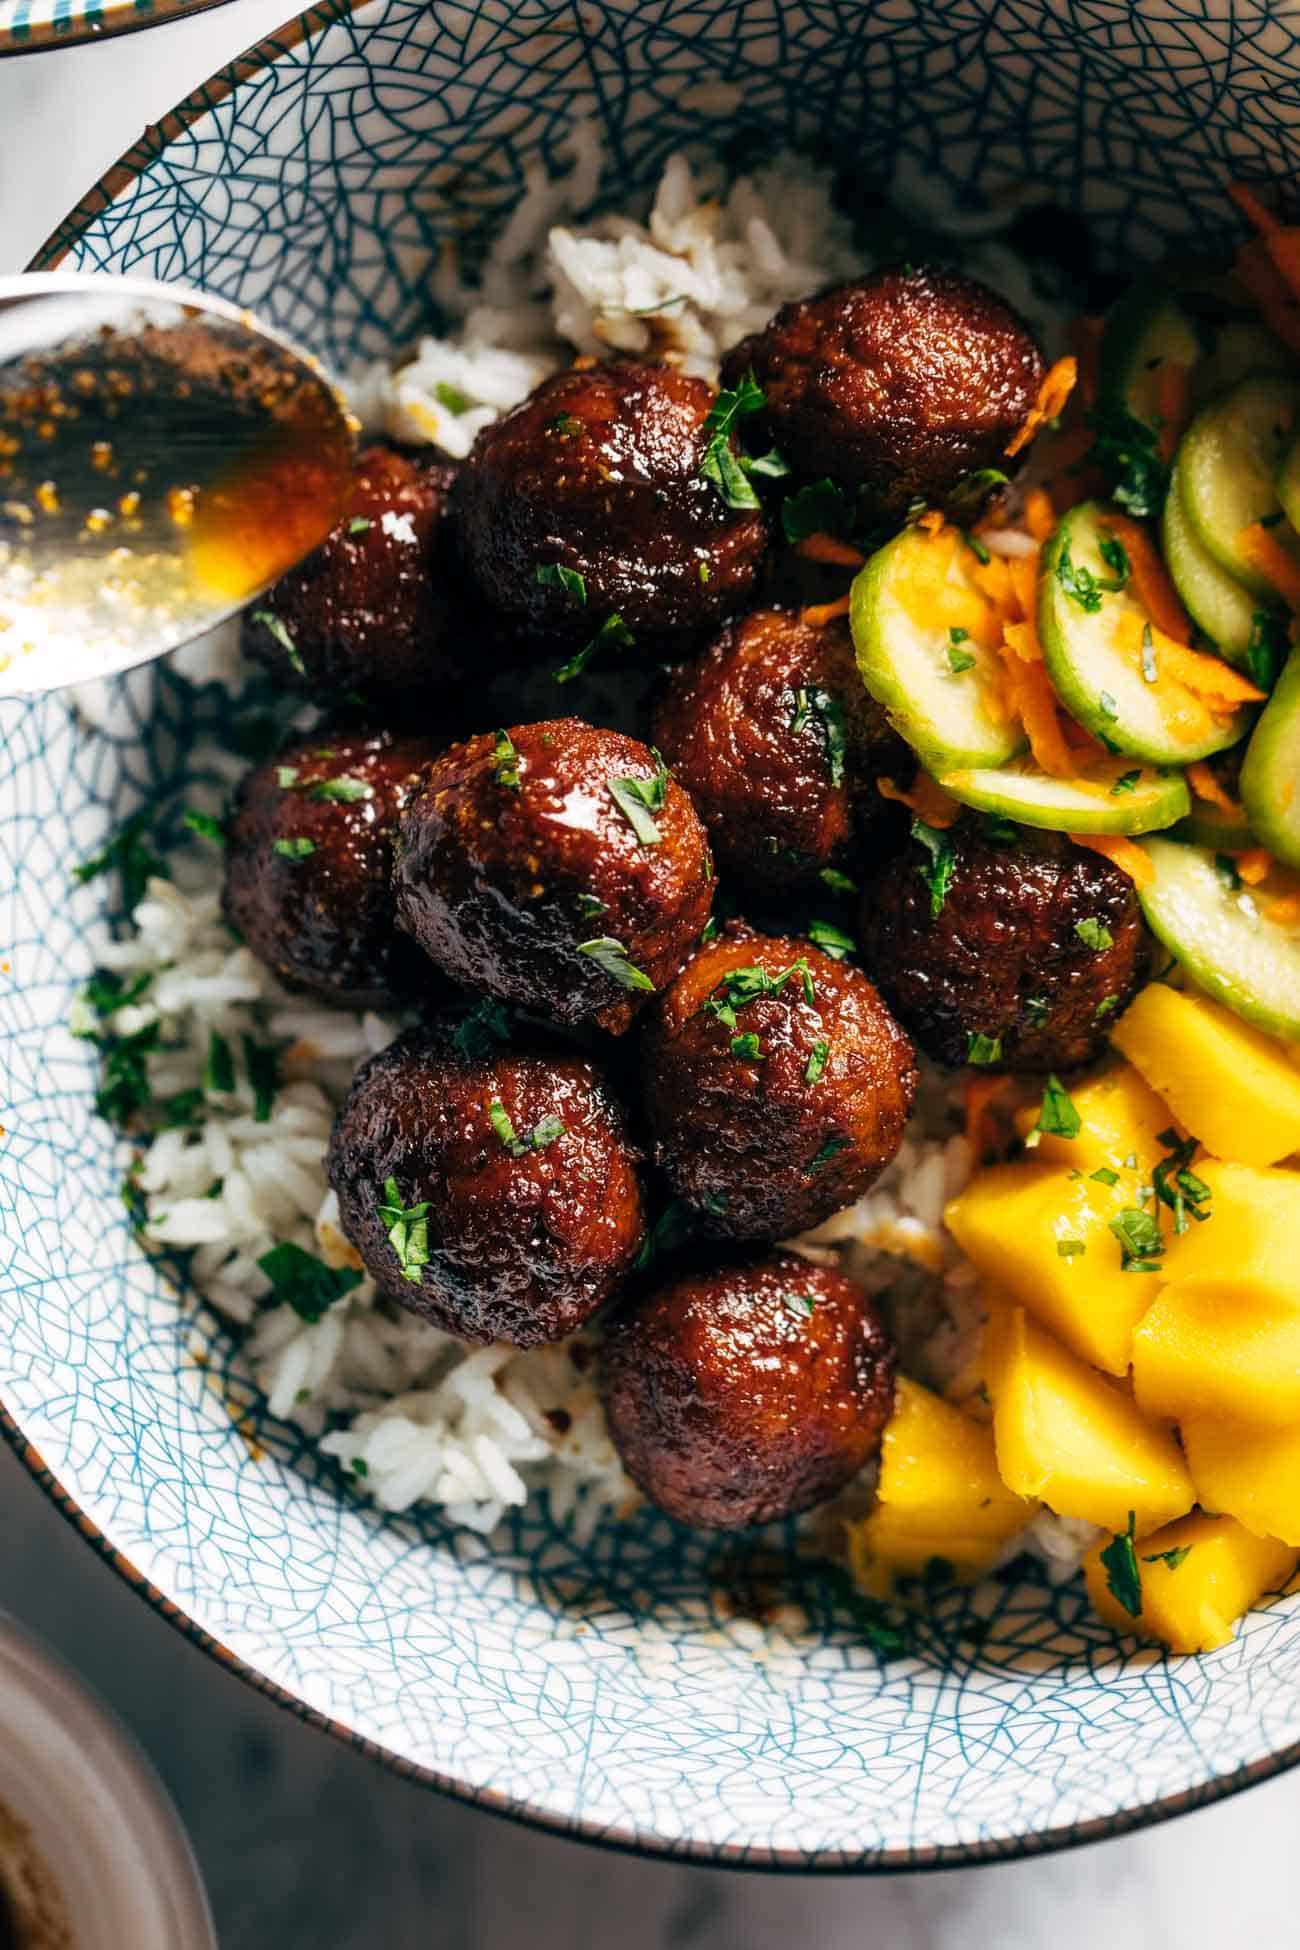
(307,1846)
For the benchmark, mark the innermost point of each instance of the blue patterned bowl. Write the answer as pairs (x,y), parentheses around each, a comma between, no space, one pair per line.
(606,1692)
(27,26)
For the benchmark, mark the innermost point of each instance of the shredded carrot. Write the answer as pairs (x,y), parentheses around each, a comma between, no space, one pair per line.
(1207,787)
(931,522)
(924,797)
(821,547)
(1285,910)
(1036,707)
(980,1093)
(1148,577)
(819,613)
(1040,515)
(1276,300)
(1173,404)
(1055,390)
(1209,678)
(1265,553)
(1253,865)
(1123,853)
(1257,214)
(1024,580)
(994,578)
(1281,240)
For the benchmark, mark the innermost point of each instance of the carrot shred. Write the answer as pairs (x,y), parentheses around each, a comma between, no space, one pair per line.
(820,547)
(980,1093)
(1257,214)
(1208,678)
(1253,865)
(1173,405)
(1278,304)
(1058,384)
(1024,581)
(1123,853)
(1040,515)
(1036,707)
(1281,240)
(1285,910)
(1265,553)
(924,797)
(931,522)
(818,613)
(1206,786)
(1148,578)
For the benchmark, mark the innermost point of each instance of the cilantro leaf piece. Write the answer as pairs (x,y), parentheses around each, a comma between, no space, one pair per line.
(719,466)
(815,1068)
(1171,1558)
(359,524)
(1127,451)
(801,1305)
(938,873)
(294,849)
(613,634)
(611,956)
(831,940)
(505,763)
(303,1282)
(276,627)
(831,1149)
(981,1049)
(407,1227)
(839,883)
(1266,648)
(1139,1239)
(205,825)
(1123,1577)
(451,397)
(342,791)
(1094,934)
(1126,782)
(1057,1115)
(219,1069)
(554,575)
(128,854)
(639,799)
(477,1034)
(818,509)
(748,1046)
(262,1062)
(1067,1248)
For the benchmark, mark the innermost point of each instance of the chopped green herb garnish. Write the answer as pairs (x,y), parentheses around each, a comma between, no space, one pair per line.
(303,1282)
(831,940)
(128,854)
(451,396)
(1176,1185)
(504,1129)
(748,1046)
(1227,868)
(831,1149)
(505,763)
(1104,1007)
(1123,1578)
(741,986)
(262,1062)
(1037,1010)
(477,1035)
(1150,671)
(801,710)
(772,466)
(960,661)
(613,634)
(719,465)
(831,713)
(667,1232)
(285,776)
(407,1227)
(611,956)
(818,509)
(1081,585)
(1002,832)
(972,492)
(1266,648)
(710,931)
(276,628)
(1115,556)
(1171,1558)
(219,1069)
(802,1305)
(589,908)
(1139,1238)
(299,849)
(983,1049)
(1126,782)
(554,575)
(342,791)
(702,572)
(977,548)
(565,424)
(546,1132)
(106,992)
(1057,1115)
(815,1068)
(124,1081)
(839,883)
(359,524)
(937,873)
(639,799)
(205,825)
(359,1466)
(1107,705)
(1104,1176)
(1094,934)
(1127,451)
(1067,1248)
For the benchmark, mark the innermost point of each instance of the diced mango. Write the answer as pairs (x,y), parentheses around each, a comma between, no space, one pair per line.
(1254,1227)
(1120,1118)
(939,1497)
(1220,1344)
(1068,1436)
(1247,1472)
(1045,1238)
(1198,1577)
(1229,1083)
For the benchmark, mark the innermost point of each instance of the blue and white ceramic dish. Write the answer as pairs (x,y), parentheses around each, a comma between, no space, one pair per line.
(29,26)
(603,1693)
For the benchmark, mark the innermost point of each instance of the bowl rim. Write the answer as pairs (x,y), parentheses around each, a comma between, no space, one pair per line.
(110,20)
(155,139)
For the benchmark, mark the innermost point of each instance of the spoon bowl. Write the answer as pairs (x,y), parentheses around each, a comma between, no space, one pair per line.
(164,457)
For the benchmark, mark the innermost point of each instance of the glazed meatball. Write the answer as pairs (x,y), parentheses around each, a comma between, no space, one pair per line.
(777,1084)
(373,611)
(894,386)
(779,745)
(597,474)
(494,1194)
(555,866)
(1036,948)
(738,1396)
(309,856)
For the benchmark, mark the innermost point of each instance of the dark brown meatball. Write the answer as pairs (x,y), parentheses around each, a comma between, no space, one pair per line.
(777,1084)
(309,855)
(738,1396)
(520,1160)
(893,386)
(374,610)
(1036,948)
(555,866)
(780,744)
(598,473)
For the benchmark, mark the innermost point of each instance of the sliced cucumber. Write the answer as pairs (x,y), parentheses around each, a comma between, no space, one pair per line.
(1217,603)
(1099,682)
(1270,771)
(913,655)
(1113,795)
(1146,332)
(1241,348)
(1288,483)
(1227,464)
(1222,936)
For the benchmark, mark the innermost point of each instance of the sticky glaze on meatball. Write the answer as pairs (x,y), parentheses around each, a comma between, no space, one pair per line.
(555,866)
(779,745)
(1037,947)
(598,473)
(376,610)
(521,1162)
(777,1084)
(895,385)
(748,1393)
(309,855)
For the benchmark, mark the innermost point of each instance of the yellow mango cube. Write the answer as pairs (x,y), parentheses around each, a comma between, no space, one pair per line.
(1229,1083)
(1044,1237)
(1120,1117)
(1065,1434)
(1220,1344)
(939,1497)
(1254,1227)
(1246,1471)
(1198,1577)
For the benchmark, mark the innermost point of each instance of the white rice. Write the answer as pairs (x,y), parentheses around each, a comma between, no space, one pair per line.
(415,1415)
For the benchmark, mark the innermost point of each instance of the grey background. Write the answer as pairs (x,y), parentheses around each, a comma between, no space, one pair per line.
(308,1846)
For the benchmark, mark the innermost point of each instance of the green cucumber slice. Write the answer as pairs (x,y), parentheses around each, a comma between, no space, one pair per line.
(1270,771)
(1288,483)
(1223,608)
(1227,463)
(1221,935)
(1112,795)
(951,716)
(1241,348)
(1145,332)
(1100,684)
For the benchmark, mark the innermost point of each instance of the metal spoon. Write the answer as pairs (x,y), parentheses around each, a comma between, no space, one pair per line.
(164,457)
